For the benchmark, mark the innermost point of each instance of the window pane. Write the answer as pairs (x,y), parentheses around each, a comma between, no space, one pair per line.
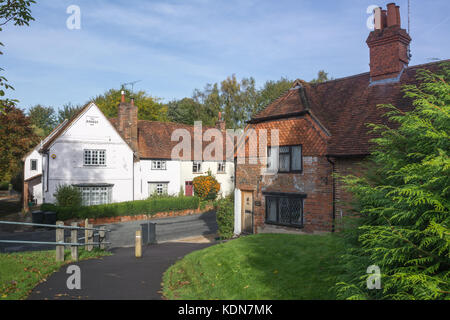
(284,216)
(296,208)
(284,162)
(297,158)
(271,209)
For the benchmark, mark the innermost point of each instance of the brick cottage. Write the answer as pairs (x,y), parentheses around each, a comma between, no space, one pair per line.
(322,130)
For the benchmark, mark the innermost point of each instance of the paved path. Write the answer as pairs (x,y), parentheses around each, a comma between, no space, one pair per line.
(120,276)
(122,234)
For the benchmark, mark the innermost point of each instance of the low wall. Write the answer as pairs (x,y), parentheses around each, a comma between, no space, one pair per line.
(118,219)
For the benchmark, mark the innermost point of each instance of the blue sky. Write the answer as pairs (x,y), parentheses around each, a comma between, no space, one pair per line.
(174,47)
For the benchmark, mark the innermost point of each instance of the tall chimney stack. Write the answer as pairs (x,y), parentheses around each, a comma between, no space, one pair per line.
(220,124)
(388,45)
(128,122)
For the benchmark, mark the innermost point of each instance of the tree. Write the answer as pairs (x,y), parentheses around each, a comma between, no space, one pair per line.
(186,111)
(43,119)
(67,112)
(17,137)
(18,12)
(322,76)
(270,91)
(149,108)
(404,200)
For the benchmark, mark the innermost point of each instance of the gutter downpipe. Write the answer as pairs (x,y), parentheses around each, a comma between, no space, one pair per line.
(333,187)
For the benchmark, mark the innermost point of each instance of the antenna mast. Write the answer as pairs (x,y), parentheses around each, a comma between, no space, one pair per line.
(130,84)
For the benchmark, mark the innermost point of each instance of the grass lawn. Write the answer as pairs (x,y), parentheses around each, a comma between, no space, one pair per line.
(263,266)
(21,272)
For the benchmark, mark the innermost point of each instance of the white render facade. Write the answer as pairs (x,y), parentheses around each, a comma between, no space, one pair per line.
(91,154)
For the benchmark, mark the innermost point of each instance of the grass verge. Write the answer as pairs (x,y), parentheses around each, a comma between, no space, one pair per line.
(20,272)
(263,266)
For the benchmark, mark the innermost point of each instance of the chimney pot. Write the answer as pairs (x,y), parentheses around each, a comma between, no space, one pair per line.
(123,96)
(391,15)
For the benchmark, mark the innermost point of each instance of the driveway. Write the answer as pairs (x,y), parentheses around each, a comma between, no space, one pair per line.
(120,276)
(123,234)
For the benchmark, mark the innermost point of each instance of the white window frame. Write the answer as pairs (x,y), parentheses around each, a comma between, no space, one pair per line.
(94,157)
(274,155)
(222,167)
(160,188)
(159,165)
(95,195)
(197,167)
(31,164)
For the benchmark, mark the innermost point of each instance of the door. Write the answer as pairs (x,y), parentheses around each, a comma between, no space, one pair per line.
(188,189)
(247,212)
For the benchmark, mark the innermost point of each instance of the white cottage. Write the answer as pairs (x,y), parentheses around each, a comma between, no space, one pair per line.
(116,160)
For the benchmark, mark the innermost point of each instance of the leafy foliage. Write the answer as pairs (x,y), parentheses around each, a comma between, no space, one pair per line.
(67,112)
(17,138)
(43,119)
(225,217)
(68,196)
(149,108)
(206,187)
(322,76)
(404,201)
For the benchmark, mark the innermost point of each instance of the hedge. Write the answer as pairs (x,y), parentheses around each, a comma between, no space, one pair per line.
(225,217)
(129,208)
(4,186)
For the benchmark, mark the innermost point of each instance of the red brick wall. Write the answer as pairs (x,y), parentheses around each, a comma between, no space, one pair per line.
(315,180)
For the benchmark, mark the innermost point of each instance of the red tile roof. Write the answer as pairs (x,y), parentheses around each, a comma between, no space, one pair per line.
(154,139)
(344,107)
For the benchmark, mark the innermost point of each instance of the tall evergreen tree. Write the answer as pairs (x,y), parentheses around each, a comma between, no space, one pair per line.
(404,201)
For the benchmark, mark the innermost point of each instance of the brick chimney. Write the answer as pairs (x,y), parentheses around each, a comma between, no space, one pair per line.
(220,124)
(127,122)
(388,45)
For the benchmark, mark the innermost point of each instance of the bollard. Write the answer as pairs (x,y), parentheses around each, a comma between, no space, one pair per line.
(86,234)
(138,246)
(59,238)
(74,239)
(102,237)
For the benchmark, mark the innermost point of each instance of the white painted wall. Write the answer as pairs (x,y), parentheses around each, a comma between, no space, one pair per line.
(226,183)
(28,173)
(170,175)
(67,166)
(237,212)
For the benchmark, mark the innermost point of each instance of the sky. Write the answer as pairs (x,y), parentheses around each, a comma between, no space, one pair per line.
(174,47)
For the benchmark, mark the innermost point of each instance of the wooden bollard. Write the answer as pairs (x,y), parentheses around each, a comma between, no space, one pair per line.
(74,239)
(59,238)
(86,234)
(102,237)
(138,246)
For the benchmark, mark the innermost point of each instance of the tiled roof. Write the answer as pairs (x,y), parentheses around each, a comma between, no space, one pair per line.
(344,107)
(154,139)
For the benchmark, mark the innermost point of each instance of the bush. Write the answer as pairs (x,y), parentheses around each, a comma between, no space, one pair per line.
(225,217)
(206,187)
(68,196)
(130,208)
(4,186)
(404,202)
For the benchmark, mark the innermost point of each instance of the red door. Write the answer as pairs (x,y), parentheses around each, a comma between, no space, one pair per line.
(189,188)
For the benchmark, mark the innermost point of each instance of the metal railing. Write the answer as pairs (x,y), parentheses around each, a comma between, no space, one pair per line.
(74,239)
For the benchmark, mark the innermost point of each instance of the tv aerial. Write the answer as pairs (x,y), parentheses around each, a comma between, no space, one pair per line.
(132,83)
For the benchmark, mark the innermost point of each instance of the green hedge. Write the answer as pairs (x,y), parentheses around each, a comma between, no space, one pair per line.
(225,217)
(4,186)
(130,208)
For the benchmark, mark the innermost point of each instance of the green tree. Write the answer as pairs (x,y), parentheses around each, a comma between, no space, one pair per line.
(18,12)
(186,111)
(68,111)
(404,201)
(322,76)
(17,138)
(43,119)
(149,108)
(270,91)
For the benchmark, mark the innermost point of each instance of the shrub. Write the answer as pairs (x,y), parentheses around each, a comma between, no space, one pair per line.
(68,196)
(4,186)
(206,187)
(404,202)
(225,217)
(130,208)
